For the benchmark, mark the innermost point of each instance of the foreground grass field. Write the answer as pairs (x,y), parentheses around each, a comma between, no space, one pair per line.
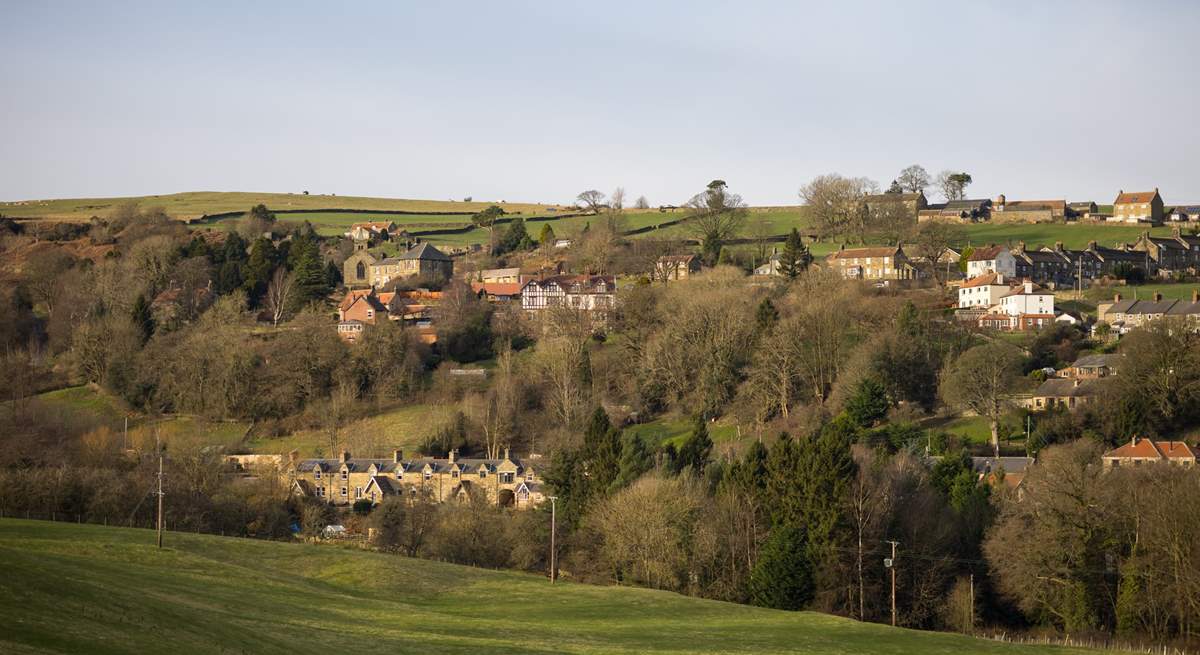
(91,589)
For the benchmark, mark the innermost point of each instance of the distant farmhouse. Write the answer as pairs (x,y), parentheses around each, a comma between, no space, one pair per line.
(1138,207)
(879,264)
(1140,452)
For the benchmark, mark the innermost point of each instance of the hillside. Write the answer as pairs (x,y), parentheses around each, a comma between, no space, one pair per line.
(194,204)
(75,589)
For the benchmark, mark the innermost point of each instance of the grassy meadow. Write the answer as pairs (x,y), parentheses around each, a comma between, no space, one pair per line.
(373,436)
(194,204)
(91,589)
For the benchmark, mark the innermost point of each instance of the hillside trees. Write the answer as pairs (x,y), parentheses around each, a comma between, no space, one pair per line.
(914,179)
(982,380)
(486,219)
(795,258)
(715,216)
(836,204)
(953,184)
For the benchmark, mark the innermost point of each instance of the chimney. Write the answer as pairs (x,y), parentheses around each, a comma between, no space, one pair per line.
(1195,295)
(1076,383)
(1117,298)
(1020,245)
(506,452)
(1058,245)
(1158,297)
(345,456)
(1028,287)
(452,455)
(1134,441)
(294,455)
(397,456)
(1091,245)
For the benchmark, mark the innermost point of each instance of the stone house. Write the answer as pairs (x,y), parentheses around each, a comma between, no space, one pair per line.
(676,267)
(1176,253)
(1061,392)
(1124,315)
(887,263)
(1045,266)
(1028,211)
(1092,367)
(1082,210)
(504,482)
(913,203)
(1138,207)
(1146,451)
(1185,213)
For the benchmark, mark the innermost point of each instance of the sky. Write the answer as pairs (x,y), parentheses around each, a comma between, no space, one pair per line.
(537,101)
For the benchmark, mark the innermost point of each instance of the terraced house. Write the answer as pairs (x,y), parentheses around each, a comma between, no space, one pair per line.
(882,264)
(505,481)
(1176,253)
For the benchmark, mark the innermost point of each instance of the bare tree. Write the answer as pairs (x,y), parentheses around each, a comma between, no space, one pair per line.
(592,200)
(715,216)
(43,277)
(982,380)
(641,203)
(616,201)
(931,242)
(836,204)
(914,179)
(280,293)
(952,184)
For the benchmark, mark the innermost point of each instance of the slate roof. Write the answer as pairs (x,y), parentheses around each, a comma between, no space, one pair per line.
(967,205)
(851,253)
(1063,388)
(427,252)
(1009,464)
(1150,307)
(1098,361)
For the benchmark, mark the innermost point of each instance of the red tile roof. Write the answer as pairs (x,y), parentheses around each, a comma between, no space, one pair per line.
(497,288)
(985,254)
(986,279)
(1135,197)
(1149,449)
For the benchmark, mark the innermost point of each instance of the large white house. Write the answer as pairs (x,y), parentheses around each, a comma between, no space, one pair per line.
(1028,299)
(587,292)
(983,291)
(991,259)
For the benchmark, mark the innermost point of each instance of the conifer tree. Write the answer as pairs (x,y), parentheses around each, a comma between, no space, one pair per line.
(696,450)
(547,237)
(869,402)
(142,317)
(636,459)
(782,577)
(766,315)
(795,257)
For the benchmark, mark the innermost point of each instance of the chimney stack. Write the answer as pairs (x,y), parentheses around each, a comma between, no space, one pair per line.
(345,456)
(1021,246)
(1028,287)
(452,455)
(506,452)
(1195,295)
(1158,297)
(397,456)
(1117,298)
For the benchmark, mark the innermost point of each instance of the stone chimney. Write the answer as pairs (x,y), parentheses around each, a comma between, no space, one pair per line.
(345,456)
(1020,245)
(397,456)
(1117,298)
(1091,245)
(1058,245)
(452,455)
(1195,295)
(1158,297)
(506,452)
(1076,382)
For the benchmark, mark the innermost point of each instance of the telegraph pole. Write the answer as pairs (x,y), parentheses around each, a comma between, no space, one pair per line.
(160,498)
(972,602)
(553,527)
(892,565)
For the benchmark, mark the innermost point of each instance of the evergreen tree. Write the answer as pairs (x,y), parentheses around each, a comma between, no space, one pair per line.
(258,268)
(228,278)
(782,577)
(309,271)
(795,257)
(869,403)
(260,212)
(333,275)
(142,318)
(635,461)
(766,315)
(895,187)
(696,450)
(515,238)
(546,237)
(909,322)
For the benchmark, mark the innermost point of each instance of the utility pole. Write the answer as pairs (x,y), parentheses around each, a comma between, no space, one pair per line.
(972,602)
(160,497)
(553,527)
(891,564)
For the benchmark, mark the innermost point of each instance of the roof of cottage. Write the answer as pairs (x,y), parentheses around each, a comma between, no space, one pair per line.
(987,279)
(1135,197)
(986,254)
(1097,361)
(1150,449)
(427,252)
(1063,388)
(850,253)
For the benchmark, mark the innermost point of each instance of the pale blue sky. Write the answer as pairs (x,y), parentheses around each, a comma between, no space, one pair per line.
(536,101)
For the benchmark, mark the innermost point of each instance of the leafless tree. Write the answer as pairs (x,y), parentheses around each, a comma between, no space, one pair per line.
(931,241)
(953,184)
(592,200)
(280,292)
(914,179)
(641,203)
(715,216)
(836,204)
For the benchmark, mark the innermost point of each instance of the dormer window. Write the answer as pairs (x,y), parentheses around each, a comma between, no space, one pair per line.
(483,472)
(345,474)
(316,474)
(454,473)
(428,474)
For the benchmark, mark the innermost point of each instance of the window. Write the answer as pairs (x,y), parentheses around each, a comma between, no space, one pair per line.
(506,478)
(428,474)
(529,476)
(358,492)
(317,474)
(483,472)
(345,474)
(454,473)
(343,491)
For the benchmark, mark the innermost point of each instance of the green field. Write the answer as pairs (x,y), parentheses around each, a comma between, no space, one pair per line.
(374,436)
(92,589)
(198,203)
(676,431)
(1047,234)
